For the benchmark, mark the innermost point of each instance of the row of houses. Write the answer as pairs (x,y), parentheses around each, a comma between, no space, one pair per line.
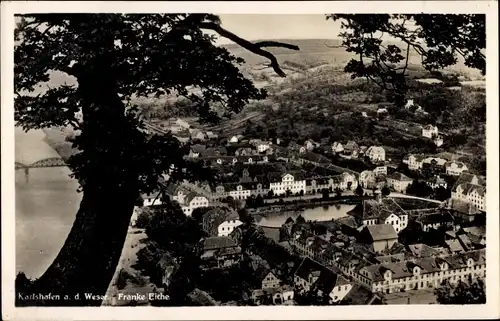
(417,162)
(351,149)
(290,183)
(390,271)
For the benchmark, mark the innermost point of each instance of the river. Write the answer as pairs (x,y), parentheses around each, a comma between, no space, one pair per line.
(312,214)
(46,205)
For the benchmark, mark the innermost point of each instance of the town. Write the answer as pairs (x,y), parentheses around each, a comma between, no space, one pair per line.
(391,234)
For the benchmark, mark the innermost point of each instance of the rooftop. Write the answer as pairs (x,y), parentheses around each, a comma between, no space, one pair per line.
(218,242)
(380,232)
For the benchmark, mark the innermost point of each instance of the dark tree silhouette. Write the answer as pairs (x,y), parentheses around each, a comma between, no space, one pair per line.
(114,58)
(470,292)
(440,39)
(385,191)
(325,194)
(359,190)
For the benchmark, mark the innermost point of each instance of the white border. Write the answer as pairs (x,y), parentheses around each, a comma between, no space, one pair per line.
(490,310)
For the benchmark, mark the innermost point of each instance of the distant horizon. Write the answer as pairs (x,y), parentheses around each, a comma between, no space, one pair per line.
(254,27)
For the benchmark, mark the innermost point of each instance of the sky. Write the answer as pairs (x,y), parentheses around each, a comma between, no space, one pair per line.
(271,26)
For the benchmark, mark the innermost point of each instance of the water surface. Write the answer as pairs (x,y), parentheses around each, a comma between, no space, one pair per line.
(46,205)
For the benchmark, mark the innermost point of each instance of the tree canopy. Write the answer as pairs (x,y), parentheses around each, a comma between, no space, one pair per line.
(115,59)
(382,45)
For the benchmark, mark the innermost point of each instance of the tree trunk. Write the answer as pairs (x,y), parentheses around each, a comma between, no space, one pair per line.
(105,168)
(87,261)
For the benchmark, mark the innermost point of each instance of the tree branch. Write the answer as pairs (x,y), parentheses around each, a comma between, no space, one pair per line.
(256,48)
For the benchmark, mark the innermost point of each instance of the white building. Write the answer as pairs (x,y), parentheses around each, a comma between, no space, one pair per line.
(288,182)
(310,145)
(437,160)
(375,153)
(455,168)
(228,226)
(151,199)
(263,146)
(398,182)
(349,181)
(409,103)
(425,273)
(429,131)
(414,162)
(472,194)
(193,201)
(438,141)
(380,170)
(240,193)
(234,140)
(437,182)
(367,178)
(379,212)
(337,147)
(182,123)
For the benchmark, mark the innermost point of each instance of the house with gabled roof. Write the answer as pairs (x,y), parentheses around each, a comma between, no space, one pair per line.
(337,147)
(193,200)
(430,131)
(398,182)
(471,189)
(219,252)
(332,285)
(351,147)
(375,154)
(455,168)
(414,161)
(380,236)
(434,220)
(220,221)
(306,273)
(380,211)
(266,279)
(280,183)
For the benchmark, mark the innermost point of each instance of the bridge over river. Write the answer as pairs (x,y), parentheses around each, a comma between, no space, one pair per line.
(46,162)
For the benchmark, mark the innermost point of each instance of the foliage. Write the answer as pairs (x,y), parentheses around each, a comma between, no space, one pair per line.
(325,194)
(171,229)
(419,188)
(385,191)
(147,261)
(359,190)
(469,292)
(438,38)
(111,70)
(144,218)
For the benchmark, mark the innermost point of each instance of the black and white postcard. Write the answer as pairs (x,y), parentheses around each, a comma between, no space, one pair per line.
(267,160)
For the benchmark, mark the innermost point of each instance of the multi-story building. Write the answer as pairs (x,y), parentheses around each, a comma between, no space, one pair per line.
(398,182)
(240,190)
(367,179)
(471,189)
(455,168)
(192,201)
(295,183)
(423,273)
(375,153)
(380,211)
(414,162)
